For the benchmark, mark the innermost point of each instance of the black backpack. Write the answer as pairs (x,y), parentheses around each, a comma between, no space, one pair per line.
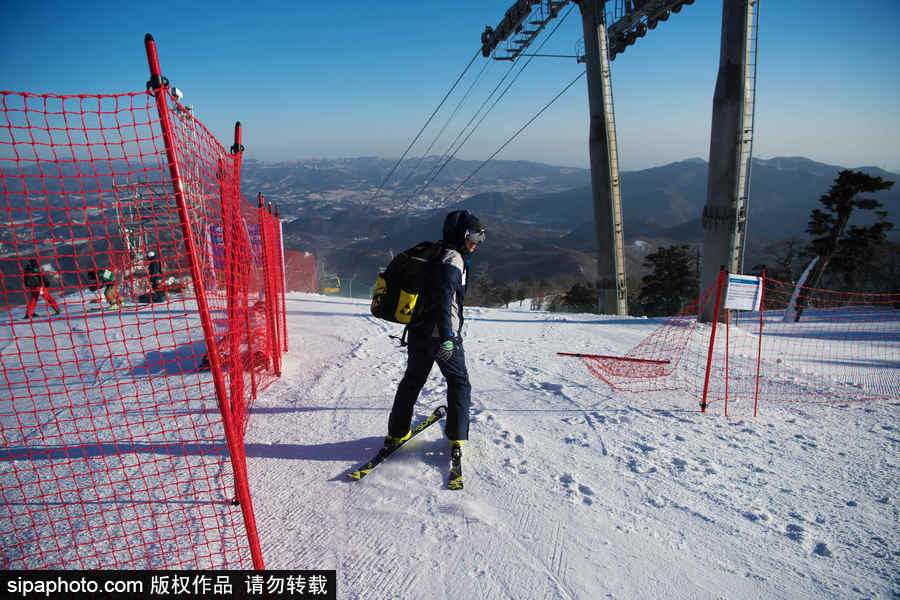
(399,294)
(33,277)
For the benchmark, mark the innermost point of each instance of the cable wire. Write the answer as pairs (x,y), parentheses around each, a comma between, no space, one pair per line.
(444,160)
(412,143)
(500,97)
(507,142)
(449,120)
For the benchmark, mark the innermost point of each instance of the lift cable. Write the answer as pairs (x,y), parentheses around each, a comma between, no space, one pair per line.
(507,142)
(412,143)
(444,160)
(500,97)
(449,120)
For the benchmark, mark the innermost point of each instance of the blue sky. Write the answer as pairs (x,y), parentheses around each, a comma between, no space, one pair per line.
(360,78)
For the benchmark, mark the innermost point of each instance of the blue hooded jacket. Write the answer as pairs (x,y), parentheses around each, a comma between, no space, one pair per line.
(446,284)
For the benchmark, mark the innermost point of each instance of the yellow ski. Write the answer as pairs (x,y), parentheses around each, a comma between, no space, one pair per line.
(385,452)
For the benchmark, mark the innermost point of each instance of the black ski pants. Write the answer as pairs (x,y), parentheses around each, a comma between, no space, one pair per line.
(421,358)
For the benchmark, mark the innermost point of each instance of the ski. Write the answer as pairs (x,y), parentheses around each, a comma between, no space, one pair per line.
(455,478)
(365,468)
(113,309)
(38,319)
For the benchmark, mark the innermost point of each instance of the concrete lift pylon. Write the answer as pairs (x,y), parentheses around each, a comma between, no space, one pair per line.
(730,148)
(612,296)
(605,190)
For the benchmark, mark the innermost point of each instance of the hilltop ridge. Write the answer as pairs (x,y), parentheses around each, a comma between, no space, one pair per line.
(539,227)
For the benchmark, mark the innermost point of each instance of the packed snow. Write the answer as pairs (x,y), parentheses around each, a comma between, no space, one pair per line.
(572,490)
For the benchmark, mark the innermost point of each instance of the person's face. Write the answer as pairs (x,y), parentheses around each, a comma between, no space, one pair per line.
(470,246)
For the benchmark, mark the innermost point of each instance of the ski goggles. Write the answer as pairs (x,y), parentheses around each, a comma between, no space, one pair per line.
(476,237)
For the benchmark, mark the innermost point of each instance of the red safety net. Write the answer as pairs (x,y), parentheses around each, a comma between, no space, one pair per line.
(838,347)
(122,417)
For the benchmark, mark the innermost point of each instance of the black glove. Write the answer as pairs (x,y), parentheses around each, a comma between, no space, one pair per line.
(445,350)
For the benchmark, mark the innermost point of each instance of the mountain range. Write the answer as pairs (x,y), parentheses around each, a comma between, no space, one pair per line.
(354,214)
(542,235)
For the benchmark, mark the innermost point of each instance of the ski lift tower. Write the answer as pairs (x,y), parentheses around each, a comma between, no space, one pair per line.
(609,28)
(605,188)
(630,20)
(730,148)
(521,25)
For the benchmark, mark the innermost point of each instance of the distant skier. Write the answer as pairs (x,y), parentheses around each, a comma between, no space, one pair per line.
(154,269)
(107,279)
(438,339)
(36,284)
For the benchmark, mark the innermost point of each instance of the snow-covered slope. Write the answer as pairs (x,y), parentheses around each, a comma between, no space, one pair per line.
(572,490)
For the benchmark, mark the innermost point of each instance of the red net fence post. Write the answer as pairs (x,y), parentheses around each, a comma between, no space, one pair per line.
(712,342)
(759,346)
(265,237)
(275,287)
(122,418)
(235,444)
(279,244)
(229,199)
(727,346)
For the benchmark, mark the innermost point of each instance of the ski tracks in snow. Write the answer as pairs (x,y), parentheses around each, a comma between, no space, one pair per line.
(644,461)
(572,490)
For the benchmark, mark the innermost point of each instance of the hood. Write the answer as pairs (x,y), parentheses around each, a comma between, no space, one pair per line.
(455,226)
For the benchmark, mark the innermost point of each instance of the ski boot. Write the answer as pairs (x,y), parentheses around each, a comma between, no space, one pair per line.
(455,479)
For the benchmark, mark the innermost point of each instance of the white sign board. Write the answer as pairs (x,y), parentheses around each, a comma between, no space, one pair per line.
(744,292)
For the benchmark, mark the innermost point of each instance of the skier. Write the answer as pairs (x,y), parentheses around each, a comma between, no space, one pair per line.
(36,283)
(438,339)
(107,279)
(154,269)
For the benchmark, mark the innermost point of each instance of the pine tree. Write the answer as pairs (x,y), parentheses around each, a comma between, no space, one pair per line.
(581,298)
(830,242)
(857,257)
(673,281)
(851,253)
